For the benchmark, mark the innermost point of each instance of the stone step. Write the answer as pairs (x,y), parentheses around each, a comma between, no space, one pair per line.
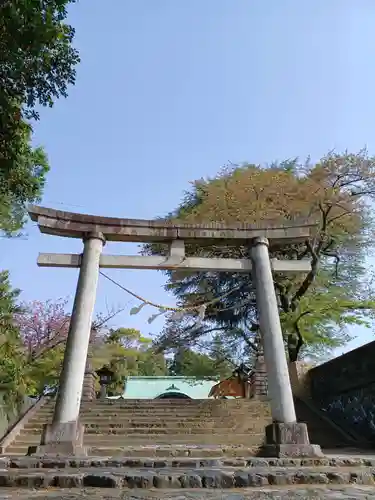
(118,450)
(184,411)
(186,462)
(159,411)
(173,431)
(169,407)
(154,403)
(157,450)
(100,420)
(177,407)
(155,416)
(159,415)
(171,403)
(222,478)
(108,425)
(175,402)
(157,423)
(126,429)
(137,438)
(291,492)
(120,429)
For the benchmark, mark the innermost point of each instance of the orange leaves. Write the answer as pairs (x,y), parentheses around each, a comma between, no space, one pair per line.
(249,194)
(330,193)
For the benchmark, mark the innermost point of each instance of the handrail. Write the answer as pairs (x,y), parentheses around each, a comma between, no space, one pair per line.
(15,429)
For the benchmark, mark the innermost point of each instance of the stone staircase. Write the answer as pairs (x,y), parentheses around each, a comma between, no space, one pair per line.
(165,445)
(111,426)
(185,478)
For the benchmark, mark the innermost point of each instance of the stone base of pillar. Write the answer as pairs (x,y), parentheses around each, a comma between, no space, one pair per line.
(289,440)
(61,439)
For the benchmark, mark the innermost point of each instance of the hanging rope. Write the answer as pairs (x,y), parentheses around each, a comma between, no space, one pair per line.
(200,308)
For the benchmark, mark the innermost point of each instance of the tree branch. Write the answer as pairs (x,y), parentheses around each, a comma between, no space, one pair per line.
(250,344)
(309,278)
(283,294)
(96,325)
(336,256)
(294,350)
(37,355)
(34,354)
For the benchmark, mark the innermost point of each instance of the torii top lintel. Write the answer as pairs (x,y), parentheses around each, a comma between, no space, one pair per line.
(75,225)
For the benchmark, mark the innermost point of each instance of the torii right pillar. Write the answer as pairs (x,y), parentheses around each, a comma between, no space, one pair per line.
(285,437)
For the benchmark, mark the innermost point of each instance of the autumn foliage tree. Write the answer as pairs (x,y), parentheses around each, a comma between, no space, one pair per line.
(334,194)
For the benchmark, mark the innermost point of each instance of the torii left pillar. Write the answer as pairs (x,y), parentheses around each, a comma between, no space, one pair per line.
(65,434)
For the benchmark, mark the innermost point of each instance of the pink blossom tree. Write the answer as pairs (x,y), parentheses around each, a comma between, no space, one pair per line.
(43,330)
(43,326)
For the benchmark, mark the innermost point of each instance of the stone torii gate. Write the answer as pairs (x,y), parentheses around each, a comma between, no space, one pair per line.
(65,434)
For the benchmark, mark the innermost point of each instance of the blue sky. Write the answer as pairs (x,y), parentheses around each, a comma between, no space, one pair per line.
(170,90)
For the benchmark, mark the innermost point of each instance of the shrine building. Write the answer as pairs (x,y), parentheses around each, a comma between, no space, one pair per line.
(171,387)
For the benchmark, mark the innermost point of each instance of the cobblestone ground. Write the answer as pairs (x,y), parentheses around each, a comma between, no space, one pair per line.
(298,493)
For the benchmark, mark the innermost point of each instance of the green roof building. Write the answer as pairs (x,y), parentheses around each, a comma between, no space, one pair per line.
(167,388)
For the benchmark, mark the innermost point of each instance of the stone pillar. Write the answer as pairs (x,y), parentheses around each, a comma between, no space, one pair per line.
(88,392)
(282,404)
(65,434)
(260,389)
(284,437)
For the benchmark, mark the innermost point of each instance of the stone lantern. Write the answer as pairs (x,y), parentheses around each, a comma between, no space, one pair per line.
(105,378)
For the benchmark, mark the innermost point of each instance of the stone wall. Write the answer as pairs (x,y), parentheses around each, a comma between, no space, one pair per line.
(344,388)
(299,379)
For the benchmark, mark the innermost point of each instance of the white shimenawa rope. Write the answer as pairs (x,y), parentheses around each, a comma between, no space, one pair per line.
(201,308)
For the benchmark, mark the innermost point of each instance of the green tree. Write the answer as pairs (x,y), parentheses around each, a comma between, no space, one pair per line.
(37,63)
(8,301)
(316,308)
(127,353)
(23,172)
(188,363)
(12,376)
